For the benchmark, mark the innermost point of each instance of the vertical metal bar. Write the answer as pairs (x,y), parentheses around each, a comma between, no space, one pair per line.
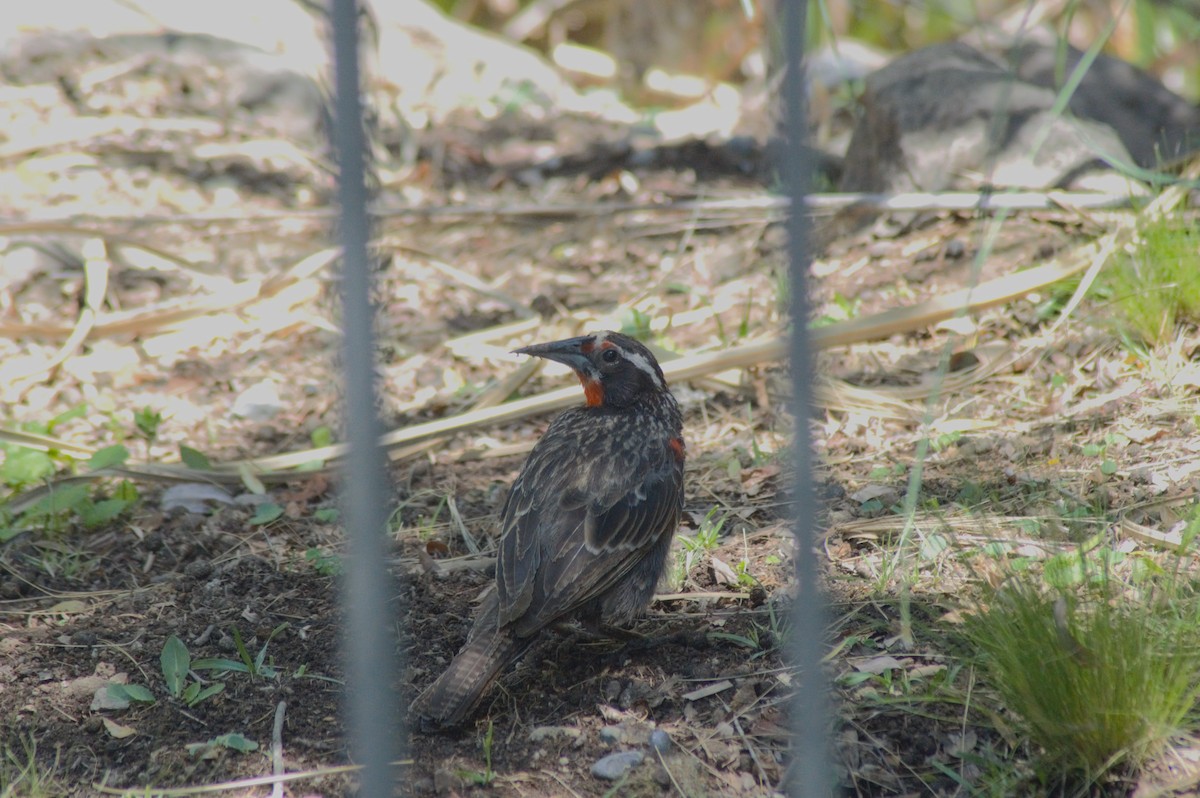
(369,647)
(811,770)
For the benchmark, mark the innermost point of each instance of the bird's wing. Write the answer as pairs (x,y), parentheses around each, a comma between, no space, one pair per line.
(565,544)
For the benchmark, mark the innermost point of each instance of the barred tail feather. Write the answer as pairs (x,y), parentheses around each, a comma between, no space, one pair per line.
(450,700)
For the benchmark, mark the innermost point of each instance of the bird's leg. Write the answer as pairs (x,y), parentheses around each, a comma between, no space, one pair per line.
(690,638)
(619,633)
(590,626)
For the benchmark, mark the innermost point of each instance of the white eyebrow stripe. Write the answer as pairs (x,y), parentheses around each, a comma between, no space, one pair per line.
(638,360)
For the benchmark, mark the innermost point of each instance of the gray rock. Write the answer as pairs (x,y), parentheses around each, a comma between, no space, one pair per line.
(936,116)
(1154,123)
(950,117)
(660,741)
(614,766)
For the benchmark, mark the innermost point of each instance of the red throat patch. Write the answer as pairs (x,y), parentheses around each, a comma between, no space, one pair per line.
(593,391)
(678,448)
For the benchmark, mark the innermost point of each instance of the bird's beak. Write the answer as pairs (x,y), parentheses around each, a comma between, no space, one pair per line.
(571,352)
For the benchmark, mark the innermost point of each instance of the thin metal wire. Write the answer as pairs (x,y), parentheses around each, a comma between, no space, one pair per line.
(369,646)
(811,770)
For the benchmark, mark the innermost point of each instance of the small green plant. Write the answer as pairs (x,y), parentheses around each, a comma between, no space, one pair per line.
(693,548)
(487,775)
(233,741)
(327,515)
(1107,466)
(426,525)
(636,323)
(323,562)
(322,436)
(23,466)
(147,421)
(22,775)
(177,666)
(1099,675)
(254,666)
(59,560)
(194,458)
(265,513)
(944,440)
(64,504)
(1157,285)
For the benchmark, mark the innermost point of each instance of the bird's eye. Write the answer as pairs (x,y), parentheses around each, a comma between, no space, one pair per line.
(610,356)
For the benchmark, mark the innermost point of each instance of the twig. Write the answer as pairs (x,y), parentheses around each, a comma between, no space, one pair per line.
(277,749)
(662,761)
(914,201)
(95,277)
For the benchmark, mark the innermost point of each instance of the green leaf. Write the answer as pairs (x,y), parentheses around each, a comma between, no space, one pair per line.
(326,564)
(127,492)
(737,640)
(108,457)
(266,513)
(23,466)
(327,515)
(242,651)
(175,662)
(1108,468)
(60,500)
(237,742)
(78,411)
(262,652)
(193,458)
(933,545)
(251,480)
(190,692)
(855,678)
(102,512)
(1093,450)
(322,436)
(208,692)
(997,548)
(147,422)
(1063,570)
(219,664)
(131,692)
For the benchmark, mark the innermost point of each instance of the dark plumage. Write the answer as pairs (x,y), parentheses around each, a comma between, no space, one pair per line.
(588,523)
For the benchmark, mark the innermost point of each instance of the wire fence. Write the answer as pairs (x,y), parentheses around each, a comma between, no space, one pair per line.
(378,737)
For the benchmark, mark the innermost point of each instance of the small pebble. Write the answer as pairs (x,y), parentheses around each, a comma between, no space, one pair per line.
(83,638)
(614,766)
(611,735)
(660,741)
(260,402)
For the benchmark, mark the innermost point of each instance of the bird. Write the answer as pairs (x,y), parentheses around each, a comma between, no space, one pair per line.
(586,529)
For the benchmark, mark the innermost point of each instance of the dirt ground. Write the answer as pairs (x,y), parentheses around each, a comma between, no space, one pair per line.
(83,607)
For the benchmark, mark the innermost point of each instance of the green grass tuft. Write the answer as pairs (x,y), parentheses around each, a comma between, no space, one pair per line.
(1100,676)
(1156,284)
